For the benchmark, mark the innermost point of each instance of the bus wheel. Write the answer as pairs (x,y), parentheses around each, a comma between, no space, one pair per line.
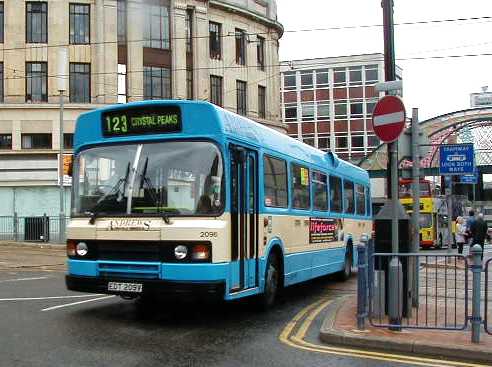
(347,267)
(272,282)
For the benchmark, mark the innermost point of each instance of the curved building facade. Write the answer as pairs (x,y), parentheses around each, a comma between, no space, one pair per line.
(224,51)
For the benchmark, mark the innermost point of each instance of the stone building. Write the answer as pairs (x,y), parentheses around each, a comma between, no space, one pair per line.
(225,51)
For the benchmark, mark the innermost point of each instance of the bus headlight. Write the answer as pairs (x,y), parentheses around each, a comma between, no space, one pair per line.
(180,252)
(82,249)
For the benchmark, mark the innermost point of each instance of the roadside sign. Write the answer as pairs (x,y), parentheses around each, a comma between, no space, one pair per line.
(388,118)
(456,159)
(469,179)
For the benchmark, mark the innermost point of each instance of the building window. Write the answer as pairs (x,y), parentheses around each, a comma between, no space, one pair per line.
(355,75)
(36,22)
(370,107)
(189,84)
(242,103)
(356,109)
(291,112)
(322,78)
(339,77)
(323,142)
(307,111)
(372,74)
(373,141)
(341,110)
(1,82)
(240,47)
(275,171)
(80,83)
(5,141)
(289,81)
(308,139)
(157,83)
(307,79)
(36,141)
(79,24)
(261,102)
(214,30)
(68,141)
(122,83)
(358,143)
(323,110)
(189,30)
(156,26)
(121,20)
(300,187)
(216,90)
(36,82)
(260,52)
(1,22)
(341,142)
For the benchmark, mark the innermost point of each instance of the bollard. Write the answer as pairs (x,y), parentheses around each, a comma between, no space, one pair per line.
(476,268)
(361,286)
(395,293)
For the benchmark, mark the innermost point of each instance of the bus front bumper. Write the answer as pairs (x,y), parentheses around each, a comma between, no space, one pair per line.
(150,287)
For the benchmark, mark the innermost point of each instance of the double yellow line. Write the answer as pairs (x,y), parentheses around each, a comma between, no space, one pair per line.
(294,332)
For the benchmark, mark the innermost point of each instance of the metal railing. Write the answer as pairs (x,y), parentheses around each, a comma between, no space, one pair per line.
(33,228)
(440,298)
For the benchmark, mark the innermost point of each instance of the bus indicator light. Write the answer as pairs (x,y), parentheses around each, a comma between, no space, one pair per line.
(200,252)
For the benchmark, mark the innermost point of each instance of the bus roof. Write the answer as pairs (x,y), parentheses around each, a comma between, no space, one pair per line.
(206,120)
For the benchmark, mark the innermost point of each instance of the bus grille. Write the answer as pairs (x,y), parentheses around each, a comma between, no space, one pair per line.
(128,270)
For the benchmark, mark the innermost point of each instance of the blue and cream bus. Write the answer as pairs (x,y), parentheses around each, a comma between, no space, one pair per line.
(185,197)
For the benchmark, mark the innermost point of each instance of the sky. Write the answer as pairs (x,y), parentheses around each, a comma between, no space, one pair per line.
(433,86)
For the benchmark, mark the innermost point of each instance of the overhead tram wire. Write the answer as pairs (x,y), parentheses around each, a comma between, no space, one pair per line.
(475,20)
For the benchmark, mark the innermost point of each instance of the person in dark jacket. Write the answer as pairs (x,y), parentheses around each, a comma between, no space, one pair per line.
(478,231)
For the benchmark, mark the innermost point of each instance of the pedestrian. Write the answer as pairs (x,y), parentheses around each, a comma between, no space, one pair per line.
(479,231)
(469,221)
(460,234)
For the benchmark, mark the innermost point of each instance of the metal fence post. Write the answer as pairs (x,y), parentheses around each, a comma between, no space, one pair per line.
(370,265)
(361,286)
(16,227)
(476,268)
(45,235)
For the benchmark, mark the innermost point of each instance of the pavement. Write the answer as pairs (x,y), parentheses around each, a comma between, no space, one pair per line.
(442,296)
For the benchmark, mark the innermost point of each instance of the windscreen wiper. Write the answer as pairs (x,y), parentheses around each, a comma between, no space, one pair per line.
(144,180)
(115,190)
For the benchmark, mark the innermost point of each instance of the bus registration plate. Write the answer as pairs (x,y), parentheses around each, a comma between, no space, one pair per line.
(125,287)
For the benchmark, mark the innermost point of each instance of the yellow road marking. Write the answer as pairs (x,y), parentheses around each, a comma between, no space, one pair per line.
(309,314)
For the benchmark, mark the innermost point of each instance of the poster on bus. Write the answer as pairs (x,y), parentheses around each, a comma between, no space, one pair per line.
(323,230)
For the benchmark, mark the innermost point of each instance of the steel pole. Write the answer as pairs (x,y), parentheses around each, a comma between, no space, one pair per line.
(416,204)
(60,175)
(476,320)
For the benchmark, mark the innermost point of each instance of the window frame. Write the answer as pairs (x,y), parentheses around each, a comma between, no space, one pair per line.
(44,79)
(29,24)
(346,209)
(292,186)
(260,52)
(287,194)
(164,39)
(213,53)
(261,101)
(327,195)
(71,16)
(240,42)
(85,73)
(2,140)
(1,83)
(241,108)
(121,21)
(2,21)
(332,197)
(219,79)
(48,135)
(357,199)
(149,70)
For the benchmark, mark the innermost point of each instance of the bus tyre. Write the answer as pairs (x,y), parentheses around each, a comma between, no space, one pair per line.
(347,267)
(272,282)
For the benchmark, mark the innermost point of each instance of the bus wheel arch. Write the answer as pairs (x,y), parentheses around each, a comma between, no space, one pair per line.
(348,261)
(273,275)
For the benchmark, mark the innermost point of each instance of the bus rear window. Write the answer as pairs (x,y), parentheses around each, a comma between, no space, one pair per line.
(320,201)
(275,171)
(360,200)
(300,187)
(335,194)
(348,197)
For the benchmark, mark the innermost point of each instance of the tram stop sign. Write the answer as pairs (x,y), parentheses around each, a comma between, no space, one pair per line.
(388,118)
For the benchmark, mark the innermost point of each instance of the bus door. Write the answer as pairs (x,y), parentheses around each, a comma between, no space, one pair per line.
(244,217)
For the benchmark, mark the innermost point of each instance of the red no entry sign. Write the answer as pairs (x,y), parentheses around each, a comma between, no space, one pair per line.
(388,118)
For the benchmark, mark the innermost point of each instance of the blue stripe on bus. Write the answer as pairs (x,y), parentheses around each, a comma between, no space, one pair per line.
(82,267)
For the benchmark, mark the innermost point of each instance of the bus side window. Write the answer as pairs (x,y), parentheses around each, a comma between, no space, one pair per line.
(275,186)
(300,187)
(335,194)
(320,200)
(360,200)
(348,197)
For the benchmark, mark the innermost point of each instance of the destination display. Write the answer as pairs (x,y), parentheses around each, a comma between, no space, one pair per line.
(137,121)
(323,230)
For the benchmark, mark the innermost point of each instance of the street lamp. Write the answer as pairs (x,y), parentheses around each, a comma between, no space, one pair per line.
(62,87)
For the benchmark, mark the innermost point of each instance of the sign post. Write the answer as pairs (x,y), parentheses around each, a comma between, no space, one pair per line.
(388,121)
